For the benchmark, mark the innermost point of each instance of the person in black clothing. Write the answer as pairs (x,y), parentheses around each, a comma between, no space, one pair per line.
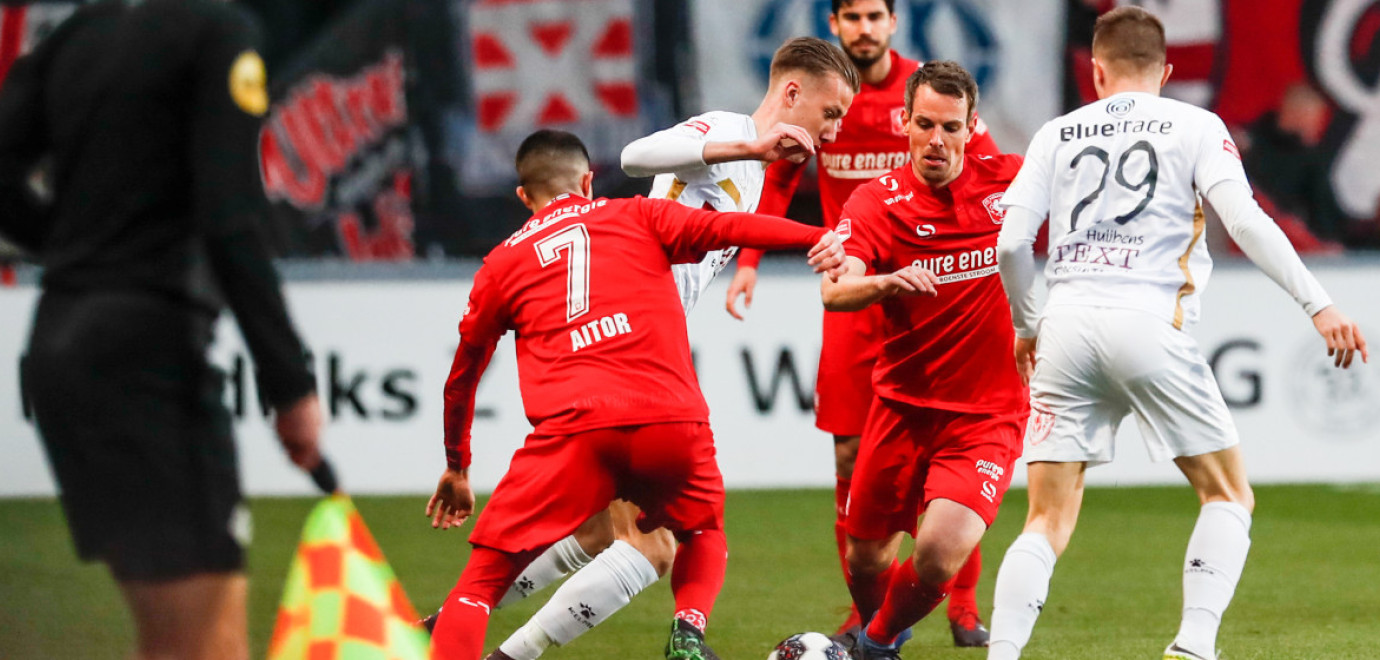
(145,116)
(1284,157)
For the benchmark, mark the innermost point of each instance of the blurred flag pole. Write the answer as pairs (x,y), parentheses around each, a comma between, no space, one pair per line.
(342,599)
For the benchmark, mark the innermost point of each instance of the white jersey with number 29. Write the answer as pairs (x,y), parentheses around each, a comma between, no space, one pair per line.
(1121,180)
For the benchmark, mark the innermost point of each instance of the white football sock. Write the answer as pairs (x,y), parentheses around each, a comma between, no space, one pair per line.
(589,597)
(561,559)
(1021,589)
(1212,566)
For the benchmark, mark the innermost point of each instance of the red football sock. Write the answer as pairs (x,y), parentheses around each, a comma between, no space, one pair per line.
(869,592)
(963,598)
(464,618)
(841,488)
(698,575)
(907,601)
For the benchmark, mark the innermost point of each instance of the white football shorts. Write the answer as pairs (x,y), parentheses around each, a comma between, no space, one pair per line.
(1095,365)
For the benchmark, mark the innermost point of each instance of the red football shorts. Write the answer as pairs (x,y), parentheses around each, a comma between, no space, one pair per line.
(843,386)
(911,456)
(556,482)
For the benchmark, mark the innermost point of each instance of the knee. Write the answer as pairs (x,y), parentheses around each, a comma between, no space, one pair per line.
(595,536)
(867,557)
(1241,495)
(659,547)
(845,455)
(935,566)
(1056,529)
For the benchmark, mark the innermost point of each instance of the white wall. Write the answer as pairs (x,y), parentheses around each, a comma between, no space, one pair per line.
(389,343)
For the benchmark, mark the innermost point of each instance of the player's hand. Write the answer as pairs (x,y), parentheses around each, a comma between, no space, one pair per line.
(911,281)
(743,284)
(453,502)
(1342,335)
(784,141)
(298,425)
(828,257)
(1025,358)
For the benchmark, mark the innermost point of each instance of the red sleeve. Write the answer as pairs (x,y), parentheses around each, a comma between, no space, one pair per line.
(782,178)
(858,228)
(688,233)
(480,330)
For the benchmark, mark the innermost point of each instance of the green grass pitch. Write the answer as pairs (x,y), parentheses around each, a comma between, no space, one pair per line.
(1311,588)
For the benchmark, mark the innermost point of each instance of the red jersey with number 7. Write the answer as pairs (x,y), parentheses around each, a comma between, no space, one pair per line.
(586,286)
(952,351)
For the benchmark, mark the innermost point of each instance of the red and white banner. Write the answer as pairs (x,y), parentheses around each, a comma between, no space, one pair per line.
(564,64)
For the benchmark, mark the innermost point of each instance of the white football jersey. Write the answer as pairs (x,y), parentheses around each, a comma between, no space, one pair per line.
(732,186)
(1121,180)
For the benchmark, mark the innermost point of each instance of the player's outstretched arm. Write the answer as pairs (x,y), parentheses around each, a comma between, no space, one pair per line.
(1343,336)
(1263,242)
(453,502)
(855,290)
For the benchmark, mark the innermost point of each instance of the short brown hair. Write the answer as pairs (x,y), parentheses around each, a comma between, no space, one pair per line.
(946,77)
(551,161)
(1129,39)
(815,57)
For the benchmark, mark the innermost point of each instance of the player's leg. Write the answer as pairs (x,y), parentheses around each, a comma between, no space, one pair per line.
(843,396)
(883,504)
(463,621)
(1073,423)
(1056,496)
(948,533)
(197,617)
(965,620)
(674,476)
(1182,414)
(1217,549)
(564,557)
(845,457)
(599,589)
(966,472)
(535,504)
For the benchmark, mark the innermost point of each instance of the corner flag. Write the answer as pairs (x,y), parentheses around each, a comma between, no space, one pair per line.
(342,600)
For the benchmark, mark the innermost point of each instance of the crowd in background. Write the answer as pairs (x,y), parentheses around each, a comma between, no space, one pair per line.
(423,201)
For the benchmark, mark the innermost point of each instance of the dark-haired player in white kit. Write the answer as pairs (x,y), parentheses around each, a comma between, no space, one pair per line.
(1125,182)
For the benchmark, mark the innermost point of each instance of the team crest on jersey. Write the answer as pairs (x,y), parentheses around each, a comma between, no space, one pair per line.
(844,229)
(1121,107)
(1230,148)
(994,208)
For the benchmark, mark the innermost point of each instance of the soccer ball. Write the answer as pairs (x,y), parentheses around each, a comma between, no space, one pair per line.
(808,646)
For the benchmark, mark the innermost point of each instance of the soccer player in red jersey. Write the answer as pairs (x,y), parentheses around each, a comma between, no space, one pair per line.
(870,143)
(607,381)
(944,430)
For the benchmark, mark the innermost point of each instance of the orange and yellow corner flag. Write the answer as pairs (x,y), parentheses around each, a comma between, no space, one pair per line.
(342,600)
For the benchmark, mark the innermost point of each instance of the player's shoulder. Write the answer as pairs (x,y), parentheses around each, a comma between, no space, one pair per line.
(716,122)
(998,167)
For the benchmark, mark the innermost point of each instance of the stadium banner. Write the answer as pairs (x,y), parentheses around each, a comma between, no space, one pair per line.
(383,350)
(1012,47)
(568,64)
(349,152)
